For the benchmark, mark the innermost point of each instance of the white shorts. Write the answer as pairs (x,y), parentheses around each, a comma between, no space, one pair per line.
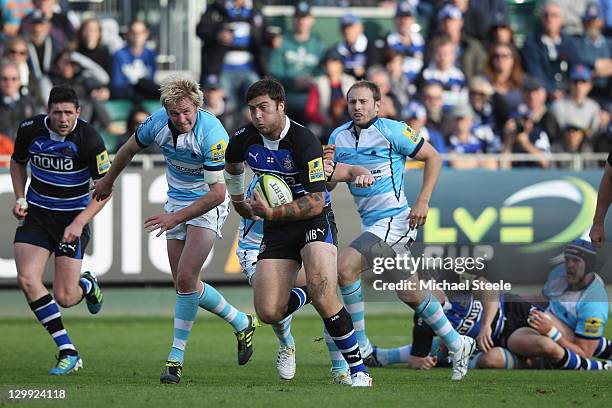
(394,231)
(248,261)
(213,220)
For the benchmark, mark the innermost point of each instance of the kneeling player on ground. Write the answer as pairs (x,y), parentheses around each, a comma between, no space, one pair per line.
(64,154)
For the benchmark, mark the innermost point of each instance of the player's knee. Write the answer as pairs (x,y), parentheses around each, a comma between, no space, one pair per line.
(493,358)
(346,274)
(186,282)
(28,284)
(63,298)
(269,314)
(546,347)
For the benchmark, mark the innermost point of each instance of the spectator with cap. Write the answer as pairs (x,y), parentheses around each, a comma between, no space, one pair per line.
(43,46)
(577,107)
(470,55)
(233,37)
(575,141)
(548,52)
(326,105)
(134,66)
(467,139)
(358,53)
(60,25)
(407,42)
(503,68)
(14,107)
(296,62)
(531,127)
(415,116)
(595,51)
(442,69)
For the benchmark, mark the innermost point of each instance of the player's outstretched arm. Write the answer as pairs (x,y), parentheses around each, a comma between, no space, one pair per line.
(349,173)
(302,208)
(214,197)
(103,187)
(604,199)
(433,164)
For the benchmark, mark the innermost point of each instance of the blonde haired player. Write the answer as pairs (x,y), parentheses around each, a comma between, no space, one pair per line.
(193,141)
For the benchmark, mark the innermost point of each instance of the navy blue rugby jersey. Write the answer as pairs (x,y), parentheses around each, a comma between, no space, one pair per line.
(297,157)
(61,167)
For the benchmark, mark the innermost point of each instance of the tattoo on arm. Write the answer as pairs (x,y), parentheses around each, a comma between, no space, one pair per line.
(304,207)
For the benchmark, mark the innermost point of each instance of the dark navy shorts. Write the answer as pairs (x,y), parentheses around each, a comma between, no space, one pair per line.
(45,229)
(285,240)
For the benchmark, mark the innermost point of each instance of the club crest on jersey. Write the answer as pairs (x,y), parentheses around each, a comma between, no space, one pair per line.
(412,135)
(218,151)
(67,151)
(315,170)
(102,162)
(287,163)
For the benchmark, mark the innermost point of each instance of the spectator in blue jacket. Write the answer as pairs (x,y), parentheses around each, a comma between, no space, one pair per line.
(134,66)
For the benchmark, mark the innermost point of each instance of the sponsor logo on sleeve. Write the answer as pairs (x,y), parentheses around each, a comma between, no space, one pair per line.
(592,325)
(411,134)
(218,151)
(315,170)
(103,162)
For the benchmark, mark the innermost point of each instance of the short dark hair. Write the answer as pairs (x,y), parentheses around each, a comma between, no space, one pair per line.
(63,94)
(368,85)
(266,86)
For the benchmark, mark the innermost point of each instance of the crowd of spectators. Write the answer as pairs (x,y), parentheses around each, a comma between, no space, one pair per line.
(461,78)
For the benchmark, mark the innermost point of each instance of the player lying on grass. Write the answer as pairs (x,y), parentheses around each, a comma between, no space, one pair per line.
(520,332)
(250,235)
(193,141)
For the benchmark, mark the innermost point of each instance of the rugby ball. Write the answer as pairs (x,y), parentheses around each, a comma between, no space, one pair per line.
(274,190)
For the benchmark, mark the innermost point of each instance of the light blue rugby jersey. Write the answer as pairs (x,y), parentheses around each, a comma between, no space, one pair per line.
(250,233)
(202,149)
(382,148)
(584,311)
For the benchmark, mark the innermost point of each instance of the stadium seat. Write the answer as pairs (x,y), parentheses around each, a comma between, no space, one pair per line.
(118,109)
(523,17)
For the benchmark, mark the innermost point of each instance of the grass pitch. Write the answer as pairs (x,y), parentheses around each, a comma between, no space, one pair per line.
(124,355)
